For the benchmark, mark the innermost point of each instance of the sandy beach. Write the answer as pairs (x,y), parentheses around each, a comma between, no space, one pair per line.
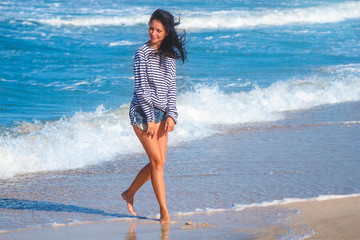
(267,143)
(331,219)
(311,219)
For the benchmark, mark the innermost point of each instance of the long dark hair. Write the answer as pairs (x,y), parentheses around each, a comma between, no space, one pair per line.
(173,44)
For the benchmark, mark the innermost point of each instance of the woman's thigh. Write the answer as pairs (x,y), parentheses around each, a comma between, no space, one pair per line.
(162,139)
(155,146)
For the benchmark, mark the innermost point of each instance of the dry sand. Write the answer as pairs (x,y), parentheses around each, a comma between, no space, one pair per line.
(331,219)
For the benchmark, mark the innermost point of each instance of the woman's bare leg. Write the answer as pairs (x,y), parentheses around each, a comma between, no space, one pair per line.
(142,177)
(163,139)
(155,148)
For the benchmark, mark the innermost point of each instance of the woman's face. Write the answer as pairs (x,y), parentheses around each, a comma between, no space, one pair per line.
(157,33)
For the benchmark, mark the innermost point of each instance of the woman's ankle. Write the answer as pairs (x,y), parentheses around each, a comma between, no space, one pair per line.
(126,194)
(164,215)
(163,210)
(164,218)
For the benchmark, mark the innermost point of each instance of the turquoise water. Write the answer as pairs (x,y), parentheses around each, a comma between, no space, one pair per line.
(268,102)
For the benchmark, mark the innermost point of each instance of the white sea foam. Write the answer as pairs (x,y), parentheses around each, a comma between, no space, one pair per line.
(123,43)
(241,207)
(94,137)
(272,17)
(269,104)
(85,138)
(233,19)
(72,223)
(97,21)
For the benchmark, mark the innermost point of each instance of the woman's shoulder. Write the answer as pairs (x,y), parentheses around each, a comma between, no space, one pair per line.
(144,48)
(171,61)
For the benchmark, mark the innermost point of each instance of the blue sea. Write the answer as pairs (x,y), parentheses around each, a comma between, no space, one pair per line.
(268,102)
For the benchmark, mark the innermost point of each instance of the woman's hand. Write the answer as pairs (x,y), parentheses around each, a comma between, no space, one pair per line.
(170,124)
(151,129)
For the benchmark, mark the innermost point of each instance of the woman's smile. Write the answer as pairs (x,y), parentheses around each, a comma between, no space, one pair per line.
(157,34)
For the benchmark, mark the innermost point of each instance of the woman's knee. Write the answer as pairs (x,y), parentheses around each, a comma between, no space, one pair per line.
(157,164)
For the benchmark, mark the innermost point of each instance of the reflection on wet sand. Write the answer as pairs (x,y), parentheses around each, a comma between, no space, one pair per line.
(131,235)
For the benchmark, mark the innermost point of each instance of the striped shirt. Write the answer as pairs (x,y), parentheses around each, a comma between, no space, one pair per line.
(155,84)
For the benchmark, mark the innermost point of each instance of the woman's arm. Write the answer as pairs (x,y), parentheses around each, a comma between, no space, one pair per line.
(171,109)
(142,88)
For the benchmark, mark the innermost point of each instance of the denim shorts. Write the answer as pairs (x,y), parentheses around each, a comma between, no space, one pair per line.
(140,118)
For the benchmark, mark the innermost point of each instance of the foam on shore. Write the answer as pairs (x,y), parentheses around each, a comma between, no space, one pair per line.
(285,201)
(93,137)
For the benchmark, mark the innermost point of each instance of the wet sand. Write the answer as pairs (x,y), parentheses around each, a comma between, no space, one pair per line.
(326,219)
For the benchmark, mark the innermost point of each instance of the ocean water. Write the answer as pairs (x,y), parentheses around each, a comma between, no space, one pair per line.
(268,103)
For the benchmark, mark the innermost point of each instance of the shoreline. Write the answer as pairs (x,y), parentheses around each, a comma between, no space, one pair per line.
(336,218)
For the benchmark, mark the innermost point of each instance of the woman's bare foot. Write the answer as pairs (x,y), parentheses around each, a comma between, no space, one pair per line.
(164,217)
(130,202)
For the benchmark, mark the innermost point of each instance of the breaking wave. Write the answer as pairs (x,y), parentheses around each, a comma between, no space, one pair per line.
(233,19)
(93,137)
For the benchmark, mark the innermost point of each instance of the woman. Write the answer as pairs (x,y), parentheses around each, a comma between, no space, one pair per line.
(153,111)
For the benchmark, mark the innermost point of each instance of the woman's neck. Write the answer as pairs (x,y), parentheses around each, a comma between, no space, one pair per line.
(154,46)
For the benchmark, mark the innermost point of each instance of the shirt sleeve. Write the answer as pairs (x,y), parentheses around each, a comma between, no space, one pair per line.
(142,88)
(171,110)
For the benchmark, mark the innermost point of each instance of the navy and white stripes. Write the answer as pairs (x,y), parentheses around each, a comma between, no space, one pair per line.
(155,84)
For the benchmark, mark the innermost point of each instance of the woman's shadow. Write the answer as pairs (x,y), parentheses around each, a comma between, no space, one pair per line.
(19,204)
